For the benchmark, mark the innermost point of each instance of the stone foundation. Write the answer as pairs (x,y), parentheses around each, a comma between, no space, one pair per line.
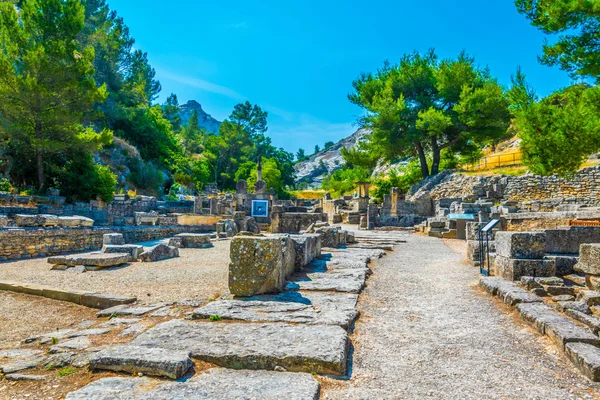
(28,243)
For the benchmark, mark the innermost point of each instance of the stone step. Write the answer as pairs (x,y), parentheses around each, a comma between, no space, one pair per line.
(297,348)
(214,384)
(171,363)
(291,306)
(586,358)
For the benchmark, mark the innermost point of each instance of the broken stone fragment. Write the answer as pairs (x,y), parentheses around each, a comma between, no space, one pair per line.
(133,250)
(151,361)
(113,238)
(159,252)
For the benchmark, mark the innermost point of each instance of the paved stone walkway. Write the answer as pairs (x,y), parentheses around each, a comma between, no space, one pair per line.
(426,331)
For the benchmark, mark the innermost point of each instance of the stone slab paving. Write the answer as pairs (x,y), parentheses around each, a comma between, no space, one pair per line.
(215,384)
(350,280)
(427,331)
(291,306)
(297,348)
(156,361)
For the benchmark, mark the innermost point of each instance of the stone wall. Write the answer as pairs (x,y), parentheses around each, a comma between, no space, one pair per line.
(27,243)
(288,222)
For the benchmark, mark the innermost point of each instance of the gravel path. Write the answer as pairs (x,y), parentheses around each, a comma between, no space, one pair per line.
(197,273)
(426,331)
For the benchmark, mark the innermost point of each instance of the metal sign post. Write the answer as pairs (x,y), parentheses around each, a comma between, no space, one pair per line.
(484,246)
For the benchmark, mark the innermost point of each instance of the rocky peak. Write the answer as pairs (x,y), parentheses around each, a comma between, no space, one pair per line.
(205,120)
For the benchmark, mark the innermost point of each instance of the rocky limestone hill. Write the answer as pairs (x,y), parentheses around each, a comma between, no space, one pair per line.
(313,170)
(205,120)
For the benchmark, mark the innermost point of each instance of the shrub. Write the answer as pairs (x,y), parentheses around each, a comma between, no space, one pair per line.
(5,185)
(83,180)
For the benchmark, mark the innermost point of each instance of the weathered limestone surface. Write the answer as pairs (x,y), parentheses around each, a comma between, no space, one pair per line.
(297,348)
(260,264)
(350,280)
(586,358)
(21,365)
(171,363)
(191,240)
(290,306)
(121,310)
(514,269)
(523,245)
(589,259)
(133,250)
(307,247)
(113,238)
(215,384)
(93,260)
(159,252)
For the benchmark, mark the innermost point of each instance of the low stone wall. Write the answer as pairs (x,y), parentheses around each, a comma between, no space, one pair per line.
(293,222)
(524,222)
(28,243)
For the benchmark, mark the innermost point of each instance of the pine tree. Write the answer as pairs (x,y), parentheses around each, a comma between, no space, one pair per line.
(47,85)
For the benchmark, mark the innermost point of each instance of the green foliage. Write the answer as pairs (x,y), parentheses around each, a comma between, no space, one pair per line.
(67,371)
(145,177)
(424,105)
(215,318)
(578,25)
(344,180)
(317,149)
(80,179)
(47,85)
(328,145)
(559,132)
(5,185)
(300,155)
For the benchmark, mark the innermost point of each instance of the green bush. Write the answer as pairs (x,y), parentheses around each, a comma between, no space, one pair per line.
(344,180)
(5,185)
(83,180)
(145,176)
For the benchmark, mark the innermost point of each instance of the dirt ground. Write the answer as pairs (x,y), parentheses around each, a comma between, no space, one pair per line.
(23,316)
(196,274)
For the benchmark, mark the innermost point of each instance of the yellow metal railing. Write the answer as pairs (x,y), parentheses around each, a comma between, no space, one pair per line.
(495,161)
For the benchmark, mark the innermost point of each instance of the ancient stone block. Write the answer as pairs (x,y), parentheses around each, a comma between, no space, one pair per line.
(291,306)
(133,250)
(113,238)
(568,241)
(565,264)
(514,269)
(521,245)
(192,240)
(91,260)
(159,252)
(25,220)
(307,247)
(46,220)
(227,227)
(295,347)
(589,259)
(563,331)
(214,384)
(260,264)
(171,363)
(586,358)
(329,236)
(102,301)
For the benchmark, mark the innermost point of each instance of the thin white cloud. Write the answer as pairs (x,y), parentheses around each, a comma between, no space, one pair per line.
(199,83)
(240,25)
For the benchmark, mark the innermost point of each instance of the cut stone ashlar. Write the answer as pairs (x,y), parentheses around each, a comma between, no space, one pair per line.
(151,361)
(521,245)
(297,348)
(93,261)
(589,259)
(214,384)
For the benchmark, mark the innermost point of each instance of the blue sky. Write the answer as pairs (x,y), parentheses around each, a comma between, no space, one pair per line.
(297,59)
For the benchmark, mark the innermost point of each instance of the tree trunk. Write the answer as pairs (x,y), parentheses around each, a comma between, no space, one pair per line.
(39,155)
(423,160)
(435,150)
